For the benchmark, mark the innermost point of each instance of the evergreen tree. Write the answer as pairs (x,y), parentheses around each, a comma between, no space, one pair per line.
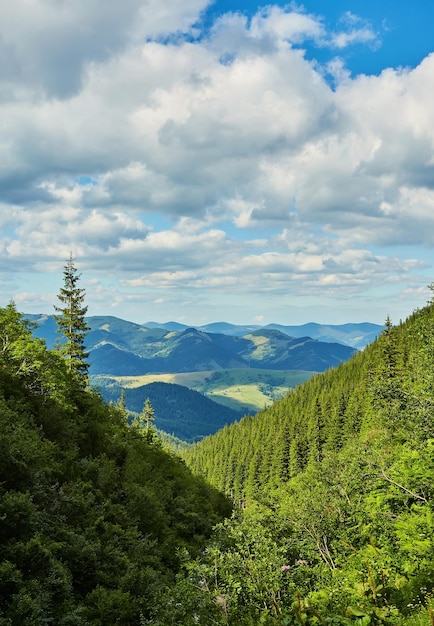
(148,414)
(121,405)
(146,419)
(71,321)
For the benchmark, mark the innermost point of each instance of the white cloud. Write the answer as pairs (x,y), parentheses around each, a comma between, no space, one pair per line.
(355,31)
(48,43)
(107,127)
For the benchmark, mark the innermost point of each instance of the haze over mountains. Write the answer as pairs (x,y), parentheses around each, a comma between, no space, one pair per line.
(354,335)
(143,339)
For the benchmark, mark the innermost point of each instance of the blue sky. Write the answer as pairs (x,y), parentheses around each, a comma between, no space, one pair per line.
(224,161)
(404,30)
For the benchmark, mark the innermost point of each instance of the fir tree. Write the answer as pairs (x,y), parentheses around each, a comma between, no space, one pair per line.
(71,321)
(122,406)
(146,419)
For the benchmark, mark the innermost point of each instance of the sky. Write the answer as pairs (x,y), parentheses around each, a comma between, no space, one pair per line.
(227,161)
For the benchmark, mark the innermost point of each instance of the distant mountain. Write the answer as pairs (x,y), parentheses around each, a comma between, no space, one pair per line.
(172,326)
(121,348)
(45,328)
(179,411)
(354,335)
(109,359)
(272,349)
(225,328)
(195,351)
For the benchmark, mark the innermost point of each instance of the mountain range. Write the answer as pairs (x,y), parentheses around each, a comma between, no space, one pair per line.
(118,347)
(354,335)
(125,354)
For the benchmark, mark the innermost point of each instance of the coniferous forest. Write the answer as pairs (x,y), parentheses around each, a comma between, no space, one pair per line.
(95,517)
(319,510)
(334,488)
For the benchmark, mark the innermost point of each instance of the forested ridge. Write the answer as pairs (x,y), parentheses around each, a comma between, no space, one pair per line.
(183,412)
(95,517)
(335,483)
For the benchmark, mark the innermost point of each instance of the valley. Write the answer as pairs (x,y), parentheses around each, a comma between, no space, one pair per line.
(245,390)
(237,370)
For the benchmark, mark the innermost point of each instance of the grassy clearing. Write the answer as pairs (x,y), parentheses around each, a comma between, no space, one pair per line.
(248,398)
(248,390)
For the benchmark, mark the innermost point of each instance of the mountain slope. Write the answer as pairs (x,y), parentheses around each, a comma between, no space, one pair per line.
(182,412)
(272,349)
(95,516)
(354,335)
(120,348)
(334,407)
(335,484)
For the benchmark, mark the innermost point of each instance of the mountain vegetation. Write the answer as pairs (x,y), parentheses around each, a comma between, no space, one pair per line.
(95,516)
(317,511)
(245,390)
(119,348)
(179,411)
(334,486)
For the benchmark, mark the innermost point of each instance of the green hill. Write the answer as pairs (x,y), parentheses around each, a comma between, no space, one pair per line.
(336,486)
(182,412)
(96,519)
(229,395)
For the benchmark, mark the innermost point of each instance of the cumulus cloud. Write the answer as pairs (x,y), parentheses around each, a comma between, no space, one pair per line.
(48,43)
(109,120)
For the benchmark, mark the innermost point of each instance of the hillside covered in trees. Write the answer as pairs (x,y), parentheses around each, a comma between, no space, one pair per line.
(95,517)
(187,414)
(336,486)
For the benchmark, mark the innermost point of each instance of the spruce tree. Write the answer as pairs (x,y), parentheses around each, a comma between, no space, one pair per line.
(144,421)
(71,322)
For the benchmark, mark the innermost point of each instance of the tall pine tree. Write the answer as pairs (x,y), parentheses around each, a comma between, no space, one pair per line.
(71,323)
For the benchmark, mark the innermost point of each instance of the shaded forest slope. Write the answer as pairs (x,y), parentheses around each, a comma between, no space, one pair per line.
(94,515)
(384,391)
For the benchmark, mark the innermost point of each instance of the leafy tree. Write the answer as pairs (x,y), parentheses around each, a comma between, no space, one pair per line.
(71,321)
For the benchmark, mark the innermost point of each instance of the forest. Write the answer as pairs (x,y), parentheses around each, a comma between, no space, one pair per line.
(319,510)
(95,516)
(333,487)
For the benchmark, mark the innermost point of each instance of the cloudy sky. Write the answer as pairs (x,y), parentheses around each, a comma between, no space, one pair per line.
(218,161)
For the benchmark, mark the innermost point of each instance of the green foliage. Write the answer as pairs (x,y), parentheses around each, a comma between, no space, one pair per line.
(182,412)
(333,488)
(71,322)
(144,422)
(344,464)
(93,515)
